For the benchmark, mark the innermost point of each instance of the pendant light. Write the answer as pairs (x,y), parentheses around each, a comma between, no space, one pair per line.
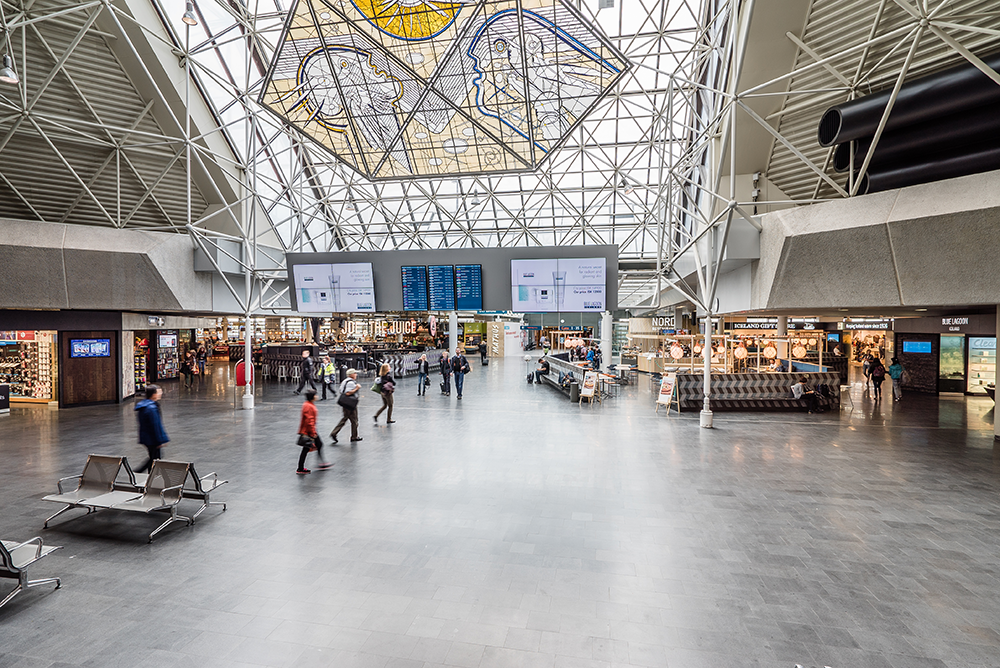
(189,17)
(7,73)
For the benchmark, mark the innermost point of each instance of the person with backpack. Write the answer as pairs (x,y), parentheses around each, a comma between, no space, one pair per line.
(151,432)
(877,372)
(459,367)
(386,386)
(350,394)
(896,372)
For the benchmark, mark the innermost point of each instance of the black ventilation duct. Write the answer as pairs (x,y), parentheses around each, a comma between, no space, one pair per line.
(956,89)
(914,144)
(976,161)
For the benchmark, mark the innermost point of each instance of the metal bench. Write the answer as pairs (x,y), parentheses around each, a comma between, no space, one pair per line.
(14,561)
(97,479)
(198,488)
(161,490)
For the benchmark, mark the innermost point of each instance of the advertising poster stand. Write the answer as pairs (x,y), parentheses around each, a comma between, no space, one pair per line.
(668,393)
(589,388)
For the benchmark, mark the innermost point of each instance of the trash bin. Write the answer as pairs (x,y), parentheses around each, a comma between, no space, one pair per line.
(574,392)
(342,373)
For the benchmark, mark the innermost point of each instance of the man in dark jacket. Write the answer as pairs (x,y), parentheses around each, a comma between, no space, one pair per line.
(307,372)
(151,431)
(482,352)
(445,365)
(459,367)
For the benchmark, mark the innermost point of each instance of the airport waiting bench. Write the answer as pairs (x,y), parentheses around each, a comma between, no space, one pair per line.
(15,558)
(161,490)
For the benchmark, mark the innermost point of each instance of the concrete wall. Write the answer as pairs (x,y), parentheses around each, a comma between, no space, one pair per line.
(927,245)
(55,266)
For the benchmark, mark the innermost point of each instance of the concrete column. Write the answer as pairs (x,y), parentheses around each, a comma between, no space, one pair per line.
(783,345)
(452,332)
(606,330)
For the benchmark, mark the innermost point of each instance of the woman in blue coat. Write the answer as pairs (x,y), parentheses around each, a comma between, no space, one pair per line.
(151,431)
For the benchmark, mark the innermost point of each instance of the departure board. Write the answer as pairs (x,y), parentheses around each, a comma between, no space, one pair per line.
(414,288)
(441,282)
(469,287)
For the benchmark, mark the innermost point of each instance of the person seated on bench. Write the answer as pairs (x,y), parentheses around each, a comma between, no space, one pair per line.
(566,380)
(542,370)
(800,390)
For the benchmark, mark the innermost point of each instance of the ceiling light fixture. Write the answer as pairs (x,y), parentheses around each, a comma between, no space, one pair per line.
(7,73)
(189,17)
(919,309)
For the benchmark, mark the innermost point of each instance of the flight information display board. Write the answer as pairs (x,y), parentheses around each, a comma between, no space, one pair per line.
(469,287)
(414,288)
(441,283)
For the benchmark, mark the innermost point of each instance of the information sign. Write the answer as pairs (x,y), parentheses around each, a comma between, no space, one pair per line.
(441,283)
(469,287)
(414,288)
(589,387)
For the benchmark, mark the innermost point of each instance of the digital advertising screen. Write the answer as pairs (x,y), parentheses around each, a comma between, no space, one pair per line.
(469,287)
(90,347)
(167,341)
(572,285)
(917,347)
(414,288)
(334,288)
(441,285)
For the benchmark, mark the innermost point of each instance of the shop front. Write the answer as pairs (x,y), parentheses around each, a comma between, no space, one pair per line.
(29,365)
(949,354)
(864,337)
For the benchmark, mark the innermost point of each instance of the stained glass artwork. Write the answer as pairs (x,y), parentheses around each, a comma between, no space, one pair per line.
(418,88)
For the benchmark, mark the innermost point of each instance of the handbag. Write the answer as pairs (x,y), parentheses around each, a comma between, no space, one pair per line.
(377,386)
(304,441)
(427,381)
(348,400)
(388,388)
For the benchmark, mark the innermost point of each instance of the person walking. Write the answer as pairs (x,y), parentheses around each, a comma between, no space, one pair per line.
(388,386)
(866,369)
(202,357)
(896,373)
(327,376)
(445,365)
(151,431)
(482,352)
(459,367)
(877,372)
(307,372)
(423,372)
(350,394)
(308,438)
(545,345)
(187,369)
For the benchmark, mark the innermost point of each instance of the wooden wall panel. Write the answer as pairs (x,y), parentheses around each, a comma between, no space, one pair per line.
(90,380)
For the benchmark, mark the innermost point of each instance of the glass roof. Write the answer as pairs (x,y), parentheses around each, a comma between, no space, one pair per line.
(601,180)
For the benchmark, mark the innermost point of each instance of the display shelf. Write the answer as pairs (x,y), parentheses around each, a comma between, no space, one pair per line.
(982,363)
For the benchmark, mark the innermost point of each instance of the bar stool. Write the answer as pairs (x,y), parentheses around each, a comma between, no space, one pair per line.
(265,370)
(296,373)
(282,372)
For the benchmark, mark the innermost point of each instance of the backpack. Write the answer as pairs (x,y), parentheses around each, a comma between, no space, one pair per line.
(878,372)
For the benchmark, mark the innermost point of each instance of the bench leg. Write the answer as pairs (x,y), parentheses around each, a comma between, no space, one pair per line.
(11,595)
(174,517)
(69,507)
(45,581)
(205,506)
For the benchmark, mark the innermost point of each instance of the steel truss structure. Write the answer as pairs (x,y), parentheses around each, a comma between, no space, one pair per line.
(653,168)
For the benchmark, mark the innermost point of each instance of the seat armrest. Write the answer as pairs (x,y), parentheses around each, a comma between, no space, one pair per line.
(37,540)
(69,477)
(163,499)
(213,475)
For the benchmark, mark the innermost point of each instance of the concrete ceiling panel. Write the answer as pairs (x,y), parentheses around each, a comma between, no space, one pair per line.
(836,268)
(32,277)
(115,281)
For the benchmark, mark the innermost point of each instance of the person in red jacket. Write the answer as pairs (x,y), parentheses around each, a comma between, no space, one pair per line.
(307,427)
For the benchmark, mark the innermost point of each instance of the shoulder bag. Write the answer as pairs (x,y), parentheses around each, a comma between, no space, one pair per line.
(304,441)
(348,400)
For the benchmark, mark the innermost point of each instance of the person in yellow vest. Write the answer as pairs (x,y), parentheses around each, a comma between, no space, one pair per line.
(327,376)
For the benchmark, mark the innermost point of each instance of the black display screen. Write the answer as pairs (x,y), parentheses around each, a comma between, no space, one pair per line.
(469,287)
(442,287)
(414,288)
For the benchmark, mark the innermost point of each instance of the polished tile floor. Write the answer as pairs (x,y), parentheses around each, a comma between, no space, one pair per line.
(516,529)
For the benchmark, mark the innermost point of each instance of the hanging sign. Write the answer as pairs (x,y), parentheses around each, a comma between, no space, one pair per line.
(668,393)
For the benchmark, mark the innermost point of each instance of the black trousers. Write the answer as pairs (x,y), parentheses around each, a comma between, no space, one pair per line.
(306,378)
(154,453)
(325,385)
(305,451)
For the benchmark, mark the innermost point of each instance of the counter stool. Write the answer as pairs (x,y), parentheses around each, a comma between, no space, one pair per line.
(265,371)
(296,374)
(282,372)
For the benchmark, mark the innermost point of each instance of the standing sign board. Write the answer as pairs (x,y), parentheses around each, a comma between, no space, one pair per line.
(668,392)
(589,387)
(4,399)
